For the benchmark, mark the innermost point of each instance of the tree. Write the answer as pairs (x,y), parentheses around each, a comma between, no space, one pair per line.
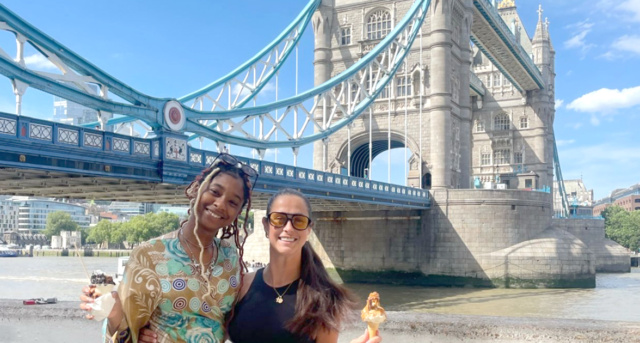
(101,233)
(59,221)
(622,227)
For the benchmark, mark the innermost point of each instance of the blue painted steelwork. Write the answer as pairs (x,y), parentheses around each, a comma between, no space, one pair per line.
(296,28)
(491,15)
(300,22)
(415,16)
(42,41)
(13,71)
(564,211)
(28,143)
(147,105)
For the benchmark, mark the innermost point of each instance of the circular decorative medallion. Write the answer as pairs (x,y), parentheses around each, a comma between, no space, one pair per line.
(174,115)
(179,284)
(205,307)
(180,303)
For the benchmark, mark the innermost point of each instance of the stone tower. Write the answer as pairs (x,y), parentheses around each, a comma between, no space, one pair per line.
(513,131)
(426,108)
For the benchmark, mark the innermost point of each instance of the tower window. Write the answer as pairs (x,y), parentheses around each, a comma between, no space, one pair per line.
(501,122)
(345,35)
(378,24)
(403,86)
(502,156)
(524,122)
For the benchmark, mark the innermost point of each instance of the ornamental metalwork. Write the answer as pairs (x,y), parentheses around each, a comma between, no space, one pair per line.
(92,140)
(195,157)
(68,136)
(8,126)
(141,148)
(39,131)
(121,144)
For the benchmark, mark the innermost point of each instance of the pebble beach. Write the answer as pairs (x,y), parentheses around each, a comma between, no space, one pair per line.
(64,322)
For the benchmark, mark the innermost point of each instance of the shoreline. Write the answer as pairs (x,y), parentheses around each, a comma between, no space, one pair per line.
(64,322)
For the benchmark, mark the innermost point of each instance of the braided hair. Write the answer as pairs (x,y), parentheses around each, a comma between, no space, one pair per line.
(194,192)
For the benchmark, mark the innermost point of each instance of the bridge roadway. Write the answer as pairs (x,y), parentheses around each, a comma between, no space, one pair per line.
(48,159)
(494,38)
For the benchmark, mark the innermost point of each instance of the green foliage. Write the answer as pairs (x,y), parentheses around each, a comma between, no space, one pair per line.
(249,220)
(101,233)
(138,229)
(622,227)
(59,221)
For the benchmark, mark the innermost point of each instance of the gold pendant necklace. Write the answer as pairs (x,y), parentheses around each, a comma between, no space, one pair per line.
(279,298)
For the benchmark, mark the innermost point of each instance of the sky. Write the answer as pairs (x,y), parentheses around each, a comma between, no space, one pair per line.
(166,50)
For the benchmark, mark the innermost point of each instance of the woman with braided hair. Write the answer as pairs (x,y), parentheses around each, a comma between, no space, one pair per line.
(182,285)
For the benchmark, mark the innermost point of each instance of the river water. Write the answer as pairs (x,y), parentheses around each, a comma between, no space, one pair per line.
(612,299)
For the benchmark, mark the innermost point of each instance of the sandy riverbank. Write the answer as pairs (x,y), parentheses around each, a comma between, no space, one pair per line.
(63,322)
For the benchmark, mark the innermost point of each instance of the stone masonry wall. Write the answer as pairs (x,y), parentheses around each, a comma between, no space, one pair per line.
(611,257)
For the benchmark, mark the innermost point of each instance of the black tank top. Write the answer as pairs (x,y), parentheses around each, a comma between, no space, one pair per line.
(259,319)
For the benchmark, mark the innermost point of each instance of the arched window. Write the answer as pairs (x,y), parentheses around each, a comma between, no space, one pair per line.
(501,122)
(378,24)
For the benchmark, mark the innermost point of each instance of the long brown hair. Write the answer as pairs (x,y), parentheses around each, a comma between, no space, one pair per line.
(194,192)
(320,302)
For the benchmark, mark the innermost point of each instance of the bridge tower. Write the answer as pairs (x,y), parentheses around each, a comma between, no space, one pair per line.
(513,130)
(426,108)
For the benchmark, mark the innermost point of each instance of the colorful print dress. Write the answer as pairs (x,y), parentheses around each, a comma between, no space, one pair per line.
(164,288)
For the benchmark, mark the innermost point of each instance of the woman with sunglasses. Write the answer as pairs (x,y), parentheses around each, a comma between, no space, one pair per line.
(293,299)
(182,285)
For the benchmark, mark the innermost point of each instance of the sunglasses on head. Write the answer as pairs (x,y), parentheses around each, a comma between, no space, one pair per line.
(298,221)
(234,162)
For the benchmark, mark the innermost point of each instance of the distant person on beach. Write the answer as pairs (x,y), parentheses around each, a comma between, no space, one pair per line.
(183,284)
(292,299)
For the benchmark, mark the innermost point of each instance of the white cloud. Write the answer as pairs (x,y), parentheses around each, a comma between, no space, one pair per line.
(576,126)
(630,7)
(559,103)
(628,43)
(594,120)
(605,166)
(564,142)
(266,91)
(606,100)
(578,40)
(38,61)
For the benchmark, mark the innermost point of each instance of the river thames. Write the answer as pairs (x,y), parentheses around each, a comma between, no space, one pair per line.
(63,277)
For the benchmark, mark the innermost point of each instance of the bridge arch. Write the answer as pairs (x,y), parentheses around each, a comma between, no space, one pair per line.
(380,143)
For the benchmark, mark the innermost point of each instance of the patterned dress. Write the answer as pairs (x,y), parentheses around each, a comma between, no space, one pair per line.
(163,287)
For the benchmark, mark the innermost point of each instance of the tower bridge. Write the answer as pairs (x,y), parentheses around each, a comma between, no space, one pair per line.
(460,84)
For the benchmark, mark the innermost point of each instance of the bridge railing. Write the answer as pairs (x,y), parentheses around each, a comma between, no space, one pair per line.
(322,181)
(70,136)
(69,139)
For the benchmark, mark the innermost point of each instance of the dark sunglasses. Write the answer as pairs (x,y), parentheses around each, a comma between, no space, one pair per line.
(298,221)
(232,161)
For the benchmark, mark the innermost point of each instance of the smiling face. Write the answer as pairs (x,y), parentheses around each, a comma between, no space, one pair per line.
(287,240)
(221,203)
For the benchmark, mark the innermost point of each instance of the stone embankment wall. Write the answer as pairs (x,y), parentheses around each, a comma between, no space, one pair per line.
(611,257)
(503,238)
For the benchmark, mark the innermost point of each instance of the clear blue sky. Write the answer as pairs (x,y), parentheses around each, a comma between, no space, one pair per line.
(169,48)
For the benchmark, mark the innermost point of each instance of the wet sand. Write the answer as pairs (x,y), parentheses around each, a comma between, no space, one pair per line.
(63,322)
